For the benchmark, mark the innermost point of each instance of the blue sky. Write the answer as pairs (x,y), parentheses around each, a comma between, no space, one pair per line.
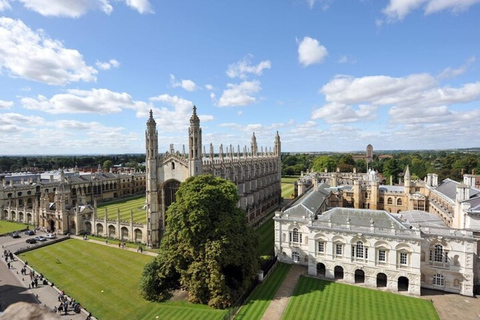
(79,76)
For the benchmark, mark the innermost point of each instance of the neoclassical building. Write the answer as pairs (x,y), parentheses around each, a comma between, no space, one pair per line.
(400,238)
(256,172)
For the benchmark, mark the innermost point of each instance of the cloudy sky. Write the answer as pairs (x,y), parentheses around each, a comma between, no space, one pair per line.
(79,76)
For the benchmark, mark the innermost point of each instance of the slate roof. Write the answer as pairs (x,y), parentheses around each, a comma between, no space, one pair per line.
(361,218)
(421,218)
(310,202)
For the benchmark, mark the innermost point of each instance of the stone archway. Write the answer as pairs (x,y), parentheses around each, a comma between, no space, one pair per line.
(124,233)
(111,231)
(381,280)
(138,235)
(29,218)
(338,271)
(51,225)
(403,283)
(20,217)
(88,227)
(170,188)
(321,269)
(73,227)
(359,276)
(99,229)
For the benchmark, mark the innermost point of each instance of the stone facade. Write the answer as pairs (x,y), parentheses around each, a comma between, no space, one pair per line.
(340,229)
(256,172)
(65,202)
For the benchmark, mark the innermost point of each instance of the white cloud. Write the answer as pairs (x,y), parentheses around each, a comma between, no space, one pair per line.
(397,10)
(4,5)
(142,6)
(376,90)
(101,101)
(76,8)
(310,51)
(452,73)
(176,120)
(5,104)
(20,119)
(239,94)
(209,87)
(416,98)
(35,56)
(341,113)
(112,63)
(324,4)
(244,67)
(346,59)
(188,85)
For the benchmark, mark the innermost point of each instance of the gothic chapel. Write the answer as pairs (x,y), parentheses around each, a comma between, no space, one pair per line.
(257,174)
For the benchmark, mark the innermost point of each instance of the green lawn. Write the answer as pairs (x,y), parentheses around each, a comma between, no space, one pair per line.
(288,186)
(105,280)
(265,237)
(261,297)
(125,206)
(127,244)
(7,226)
(318,299)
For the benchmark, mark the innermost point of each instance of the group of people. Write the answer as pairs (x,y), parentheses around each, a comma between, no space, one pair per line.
(66,304)
(8,257)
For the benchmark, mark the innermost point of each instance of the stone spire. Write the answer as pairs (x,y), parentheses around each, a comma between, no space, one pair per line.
(254,145)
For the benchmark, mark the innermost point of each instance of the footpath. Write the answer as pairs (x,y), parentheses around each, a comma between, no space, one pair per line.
(277,307)
(16,287)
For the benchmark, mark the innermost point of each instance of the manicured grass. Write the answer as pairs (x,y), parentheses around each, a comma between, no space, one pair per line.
(318,299)
(261,297)
(125,206)
(127,244)
(105,280)
(8,227)
(265,237)
(288,187)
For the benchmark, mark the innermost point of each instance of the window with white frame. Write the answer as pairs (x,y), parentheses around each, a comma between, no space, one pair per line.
(382,255)
(438,280)
(359,251)
(339,249)
(403,258)
(321,246)
(295,256)
(295,236)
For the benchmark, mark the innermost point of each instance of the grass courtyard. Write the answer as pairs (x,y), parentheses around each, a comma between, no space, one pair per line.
(8,227)
(265,237)
(125,206)
(105,280)
(318,299)
(260,299)
(288,186)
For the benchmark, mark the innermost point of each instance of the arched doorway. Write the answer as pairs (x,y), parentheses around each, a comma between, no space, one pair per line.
(51,225)
(29,218)
(359,276)
(99,230)
(170,188)
(402,284)
(88,227)
(321,269)
(381,280)
(20,216)
(138,235)
(338,271)
(73,228)
(124,233)
(111,231)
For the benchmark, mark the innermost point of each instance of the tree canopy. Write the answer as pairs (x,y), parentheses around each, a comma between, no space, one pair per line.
(208,247)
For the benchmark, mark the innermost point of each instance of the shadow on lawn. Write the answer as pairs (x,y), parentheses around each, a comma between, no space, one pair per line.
(303,288)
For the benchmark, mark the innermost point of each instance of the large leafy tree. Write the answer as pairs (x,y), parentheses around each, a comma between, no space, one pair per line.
(208,248)
(324,162)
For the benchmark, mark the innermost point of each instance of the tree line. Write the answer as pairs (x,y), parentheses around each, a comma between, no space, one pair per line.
(447,164)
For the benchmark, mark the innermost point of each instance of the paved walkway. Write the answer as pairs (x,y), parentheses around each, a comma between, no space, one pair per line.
(453,306)
(280,301)
(148,253)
